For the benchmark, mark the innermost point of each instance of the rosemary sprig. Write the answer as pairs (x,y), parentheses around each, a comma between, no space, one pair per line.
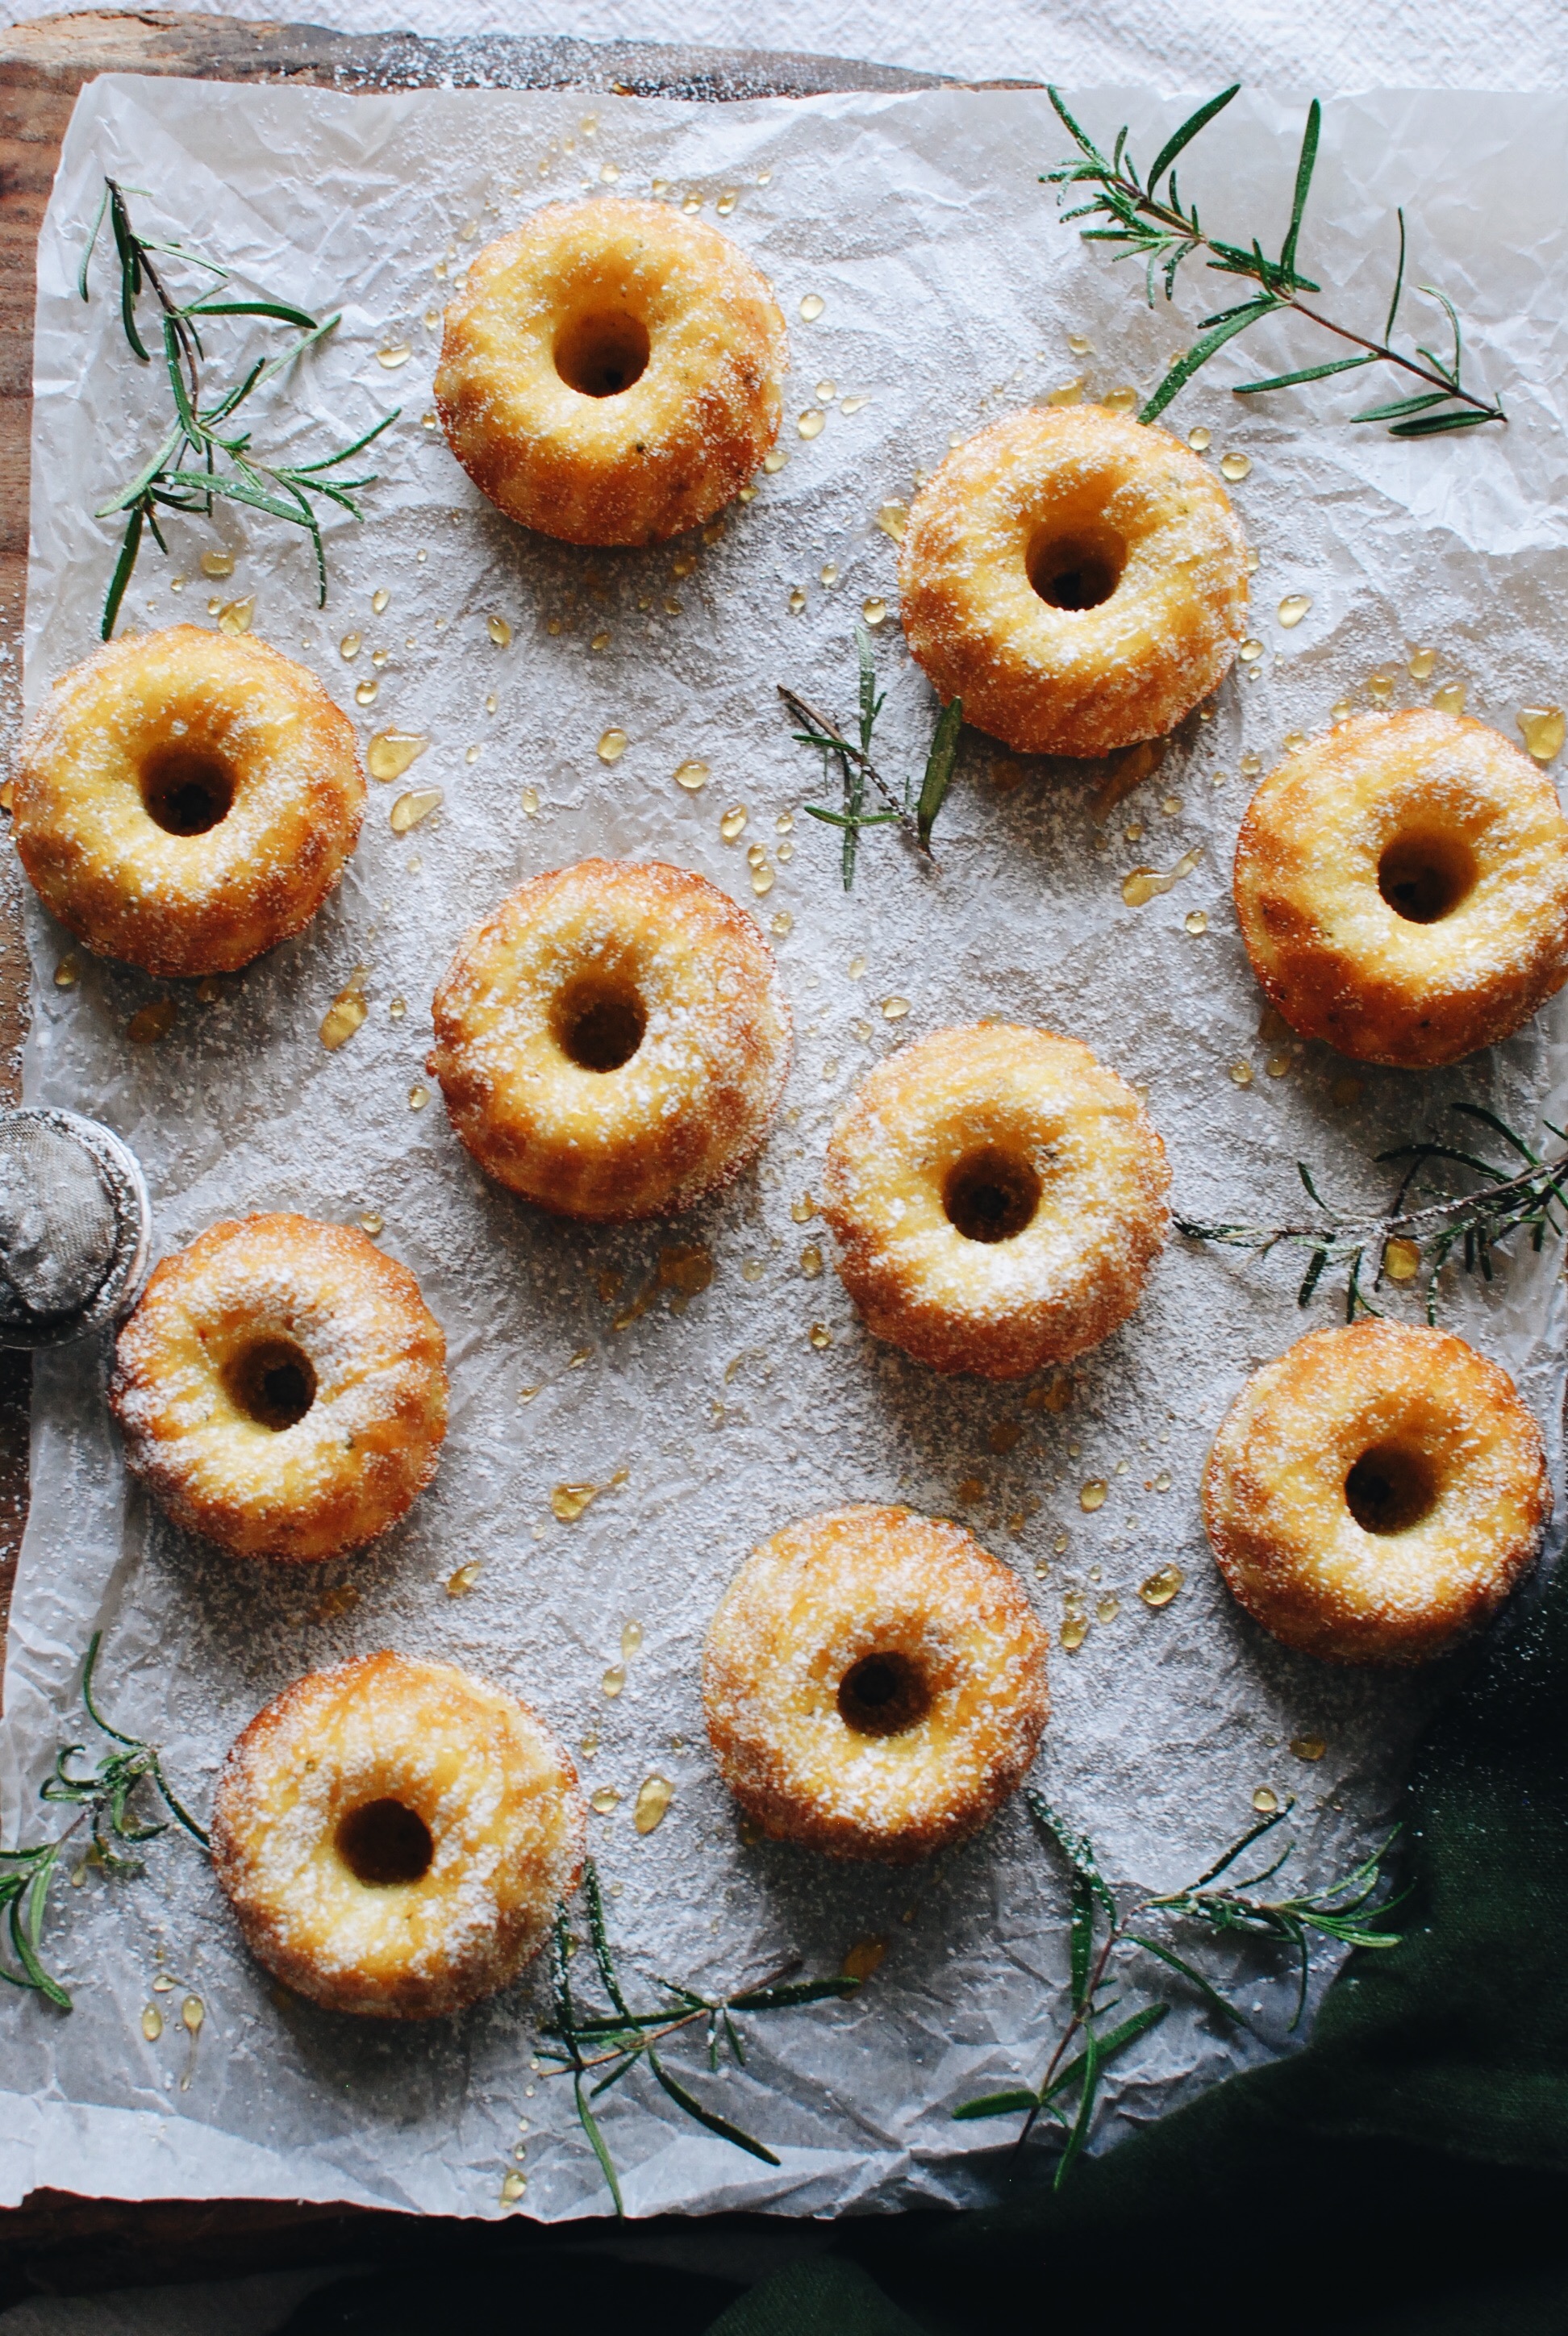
(1335,1912)
(1157,228)
(102,1798)
(916,814)
(617,2040)
(198,457)
(1408,1240)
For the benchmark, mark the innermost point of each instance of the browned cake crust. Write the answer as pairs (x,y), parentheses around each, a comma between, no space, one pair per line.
(998,1196)
(612,1041)
(874,1684)
(394,1836)
(187,800)
(281,1388)
(1079,579)
(1402,888)
(1376,1492)
(613,372)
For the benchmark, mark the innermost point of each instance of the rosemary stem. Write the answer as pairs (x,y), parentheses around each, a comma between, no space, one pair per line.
(804,711)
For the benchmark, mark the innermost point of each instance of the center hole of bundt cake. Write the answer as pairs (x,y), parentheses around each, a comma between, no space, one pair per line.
(1423,877)
(272,1383)
(990,1196)
(599,356)
(383,1843)
(187,792)
(1390,1488)
(1078,571)
(600,1026)
(881,1695)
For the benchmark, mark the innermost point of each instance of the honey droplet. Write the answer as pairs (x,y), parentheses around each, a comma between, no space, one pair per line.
(1380,688)
(1199,439)
(398,1009)
(235,615)
(1109,1607)
(1241,1072)
(371,1223)
(811,307)
(810,423)
(513,2187)
(1265,1801)
(410,809)
(762,881)
(894,1008)
(432,421)
(1293,608)
(1067,393)
(1341,709)
(630,1638)
(1293,741)
(1074,1627)
(733,822)
(367,693)
(783,924)
(852,405)
(829,571)
(773,461)
(1234,466)
(1079,346)
(863,1957)
(500,631)
(811,1261)
(531,801)
(1251,765)
(797,601)
(613,1681)
(693,201)
(875,610)
(218,563)
(613,746)
(1422,661)
(804,1210)
(67,973)
(1120,401)
(826,391)
(391,752)
(152,1022)
(1541,728)
(1450,698)
(820,1337)
(1056,1394)
(728,198)
(346,1012)
(606,1800)
(1163,1481)
(152,2023)
(396,353)
(892,519)
(163,1984)
(1250,652)
(192,2012)
(1195,922)
(568,1502)
(460,1583)
(1162,1587)
(1401,1259)
(653,1795)
(1092,1495)
(1308,1748)
(1141,885)
(599,641)
(418,1097)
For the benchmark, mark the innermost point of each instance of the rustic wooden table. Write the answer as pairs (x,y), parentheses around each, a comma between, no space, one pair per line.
(56,2242)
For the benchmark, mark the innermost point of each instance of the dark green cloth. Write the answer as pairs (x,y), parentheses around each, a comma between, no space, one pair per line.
(1406,2174)
(1407,2171)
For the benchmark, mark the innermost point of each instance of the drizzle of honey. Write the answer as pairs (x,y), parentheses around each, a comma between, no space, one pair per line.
(218,563)
(810,423)
(1067,393)
(410,808)
(820,1337)
(893,519)
(1120,401)
(863,1957)
(1308,1748)
(1234,466)
(733,823)
(569,1502)
(1541,728)
(653,1795)
(1266,1801)
(894,1008)
(346,1012)
(1293,608)
(460,1583)
(1401,1259)
(151,1023)
(852,405)
(875,610)
(192,2012)
(1162,1587)
(613,746)
(235,615)
(1092,1493)
(811,307)
(1145,884)
(391,752)
(152,2023)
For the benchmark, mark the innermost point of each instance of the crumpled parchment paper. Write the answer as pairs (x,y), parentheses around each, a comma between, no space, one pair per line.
(948,293)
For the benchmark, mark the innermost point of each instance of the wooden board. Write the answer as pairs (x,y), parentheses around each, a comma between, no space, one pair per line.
(55,2243)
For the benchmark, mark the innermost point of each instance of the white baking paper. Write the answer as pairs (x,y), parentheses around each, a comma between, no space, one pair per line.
(948,291)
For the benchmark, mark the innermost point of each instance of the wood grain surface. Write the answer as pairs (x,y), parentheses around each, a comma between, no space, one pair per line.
(57,2244)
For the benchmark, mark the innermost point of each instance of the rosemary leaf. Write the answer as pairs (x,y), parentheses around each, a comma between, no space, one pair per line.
(708,2118)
